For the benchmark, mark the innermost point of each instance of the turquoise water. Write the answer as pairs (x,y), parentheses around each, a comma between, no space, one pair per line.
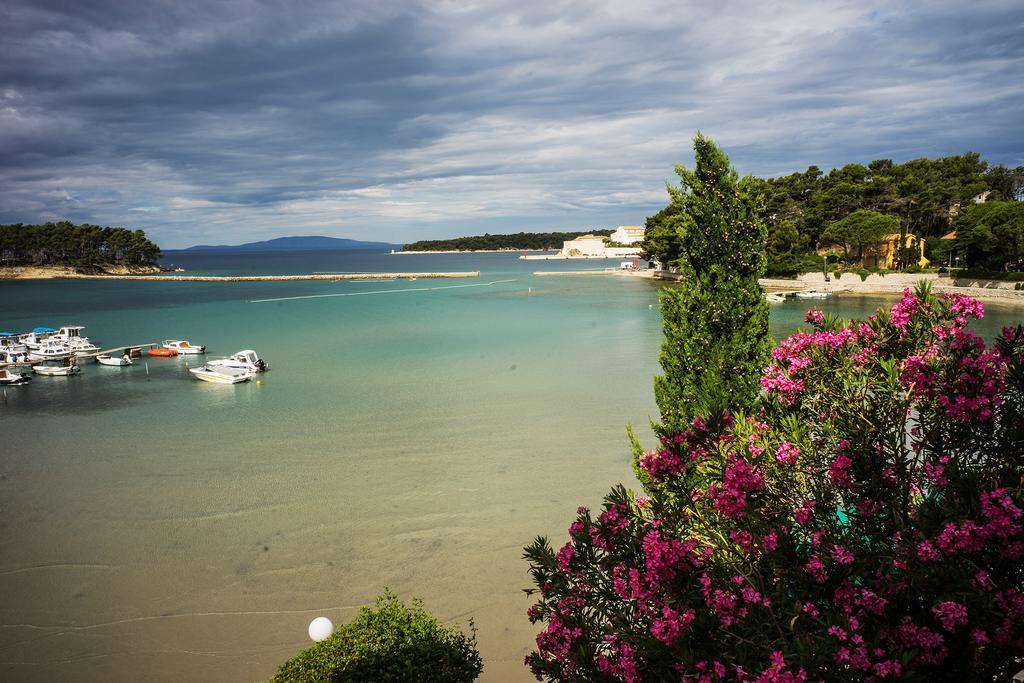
(155,527)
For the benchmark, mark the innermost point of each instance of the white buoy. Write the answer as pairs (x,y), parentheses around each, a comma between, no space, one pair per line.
(320,629)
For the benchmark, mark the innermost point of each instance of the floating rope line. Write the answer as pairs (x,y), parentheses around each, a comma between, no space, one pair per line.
(378,291)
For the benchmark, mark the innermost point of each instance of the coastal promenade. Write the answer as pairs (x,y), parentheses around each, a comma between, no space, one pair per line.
(848,283)
(275,278)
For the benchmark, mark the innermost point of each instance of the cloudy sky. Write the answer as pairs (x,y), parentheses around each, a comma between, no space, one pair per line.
(239,120)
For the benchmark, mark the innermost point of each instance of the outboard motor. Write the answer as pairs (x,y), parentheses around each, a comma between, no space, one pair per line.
(261,365)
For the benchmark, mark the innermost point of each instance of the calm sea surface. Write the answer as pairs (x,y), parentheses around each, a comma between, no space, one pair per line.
(153,527)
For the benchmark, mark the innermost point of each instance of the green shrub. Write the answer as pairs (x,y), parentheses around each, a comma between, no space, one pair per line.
(393,642)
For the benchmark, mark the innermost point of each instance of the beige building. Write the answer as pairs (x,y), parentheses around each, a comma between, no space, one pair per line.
(584,245)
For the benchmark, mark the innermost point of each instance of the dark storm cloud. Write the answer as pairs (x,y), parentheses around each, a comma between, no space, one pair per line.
(401,120)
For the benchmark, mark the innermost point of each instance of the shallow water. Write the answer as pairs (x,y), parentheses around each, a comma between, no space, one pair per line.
(154,527)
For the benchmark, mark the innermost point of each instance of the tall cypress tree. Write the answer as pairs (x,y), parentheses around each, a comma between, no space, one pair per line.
(716,324)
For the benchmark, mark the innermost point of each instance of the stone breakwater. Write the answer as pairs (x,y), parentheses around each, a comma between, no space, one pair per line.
(275,278)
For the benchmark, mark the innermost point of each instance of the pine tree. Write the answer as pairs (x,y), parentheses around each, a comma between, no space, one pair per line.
(716,324)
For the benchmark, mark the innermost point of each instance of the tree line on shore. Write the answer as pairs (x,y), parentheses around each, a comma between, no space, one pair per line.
(854,206)
(66,244)
(532,241)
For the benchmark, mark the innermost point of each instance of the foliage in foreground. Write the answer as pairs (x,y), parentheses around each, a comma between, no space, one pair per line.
(865,523)
(393,642)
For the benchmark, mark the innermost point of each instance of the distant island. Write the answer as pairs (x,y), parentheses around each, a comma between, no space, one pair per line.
(60,249)
(303,243)
(528,241)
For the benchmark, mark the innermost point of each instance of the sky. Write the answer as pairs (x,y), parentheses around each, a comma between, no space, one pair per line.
(240,120)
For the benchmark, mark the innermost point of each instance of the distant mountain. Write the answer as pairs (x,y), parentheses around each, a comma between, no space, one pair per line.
(297,244)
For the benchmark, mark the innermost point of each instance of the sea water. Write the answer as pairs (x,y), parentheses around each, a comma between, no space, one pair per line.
(411,434)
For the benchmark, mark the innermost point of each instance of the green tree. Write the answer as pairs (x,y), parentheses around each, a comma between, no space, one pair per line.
(991,235)
(1006,182)
(860,229)
(716,324)
(661,236)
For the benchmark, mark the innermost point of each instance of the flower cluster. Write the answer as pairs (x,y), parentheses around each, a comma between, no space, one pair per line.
(866,523)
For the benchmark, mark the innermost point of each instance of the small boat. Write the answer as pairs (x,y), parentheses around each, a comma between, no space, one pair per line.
(13,358)
(68,367)
(183,347)
(244,360)
(774,298)
(163,352)
(13,379)
(113,361)
(813,295)
(49,349)
(221,374)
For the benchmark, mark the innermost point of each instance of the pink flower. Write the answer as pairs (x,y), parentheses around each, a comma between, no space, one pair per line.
(814,316)
(671,624)
(787,453)
(950,614)
(841,555)
(839,472)
(565,555)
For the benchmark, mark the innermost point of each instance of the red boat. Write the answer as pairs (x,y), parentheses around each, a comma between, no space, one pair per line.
(163,352)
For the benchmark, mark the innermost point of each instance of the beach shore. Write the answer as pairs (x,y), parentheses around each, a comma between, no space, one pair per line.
(54,272)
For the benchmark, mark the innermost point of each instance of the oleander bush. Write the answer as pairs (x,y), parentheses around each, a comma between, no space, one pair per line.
(392,642)
(863,522)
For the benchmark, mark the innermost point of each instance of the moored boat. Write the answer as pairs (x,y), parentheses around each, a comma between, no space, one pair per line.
(244,360)
(13,379)
(13,358)
(9,343)
(35,338)
(183,347)
(68,367)
(81,347)
(113,361)
(49,349)
(163,352)
(221,374)
(814,294)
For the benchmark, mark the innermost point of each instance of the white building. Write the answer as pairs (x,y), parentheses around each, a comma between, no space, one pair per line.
(628,234)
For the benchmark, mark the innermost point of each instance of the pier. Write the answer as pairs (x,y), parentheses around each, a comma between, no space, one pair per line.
(276,278)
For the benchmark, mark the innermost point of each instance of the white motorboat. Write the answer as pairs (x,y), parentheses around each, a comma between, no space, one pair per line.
(183,347)
(13,358)
(81,347)
(774,298)
(9,343)
(113,361)
(243,360)
(13,379)
(222,374)
(35,338)
(813,295)
(68,367)
(49,349)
